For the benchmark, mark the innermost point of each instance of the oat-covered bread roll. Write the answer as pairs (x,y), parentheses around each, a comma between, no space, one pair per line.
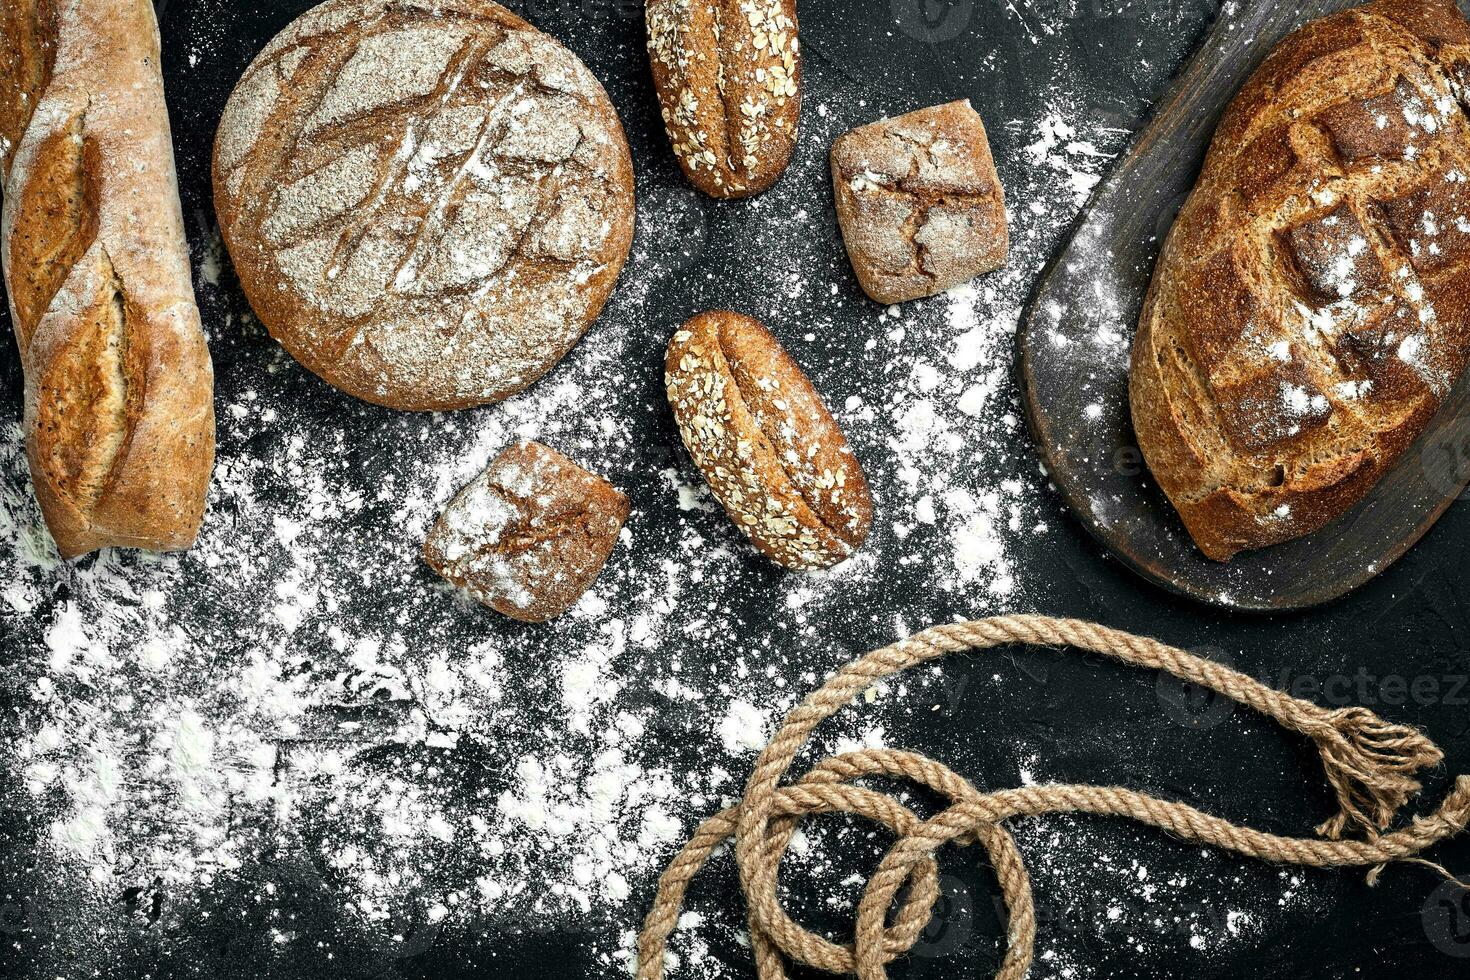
(529,535)
(119,391)
(919,202)
(765,442)
(1311,308)
(427,202)
(728,77)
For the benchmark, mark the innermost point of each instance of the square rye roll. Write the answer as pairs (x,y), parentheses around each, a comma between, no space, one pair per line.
(529,535)
(920,204)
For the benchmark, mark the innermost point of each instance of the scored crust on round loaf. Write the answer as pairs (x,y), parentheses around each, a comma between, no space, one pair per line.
(426,202)
(765,442)
(728,78)
(1311,307)
(529,535)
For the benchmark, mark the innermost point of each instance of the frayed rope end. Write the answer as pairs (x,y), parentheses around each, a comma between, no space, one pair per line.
(1369,763)
(1376,872)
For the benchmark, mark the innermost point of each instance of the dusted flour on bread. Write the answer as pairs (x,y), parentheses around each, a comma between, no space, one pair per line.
(427,204)
(529,535)
(920,204)
(1311,312)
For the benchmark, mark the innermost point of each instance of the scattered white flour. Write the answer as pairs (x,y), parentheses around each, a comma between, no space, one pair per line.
(1079,162)
(299,696)
(743,729)
(300,684)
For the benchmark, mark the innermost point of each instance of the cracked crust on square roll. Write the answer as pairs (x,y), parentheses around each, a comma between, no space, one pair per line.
(919,202)
(530,535)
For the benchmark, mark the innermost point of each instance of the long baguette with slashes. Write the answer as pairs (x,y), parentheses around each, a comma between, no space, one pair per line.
(119,391)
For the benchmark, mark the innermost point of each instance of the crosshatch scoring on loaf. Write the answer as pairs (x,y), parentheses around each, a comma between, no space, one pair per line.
(426,207)
(1310,310)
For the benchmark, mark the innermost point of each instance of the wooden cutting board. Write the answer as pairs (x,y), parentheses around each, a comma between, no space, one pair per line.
(1077,336)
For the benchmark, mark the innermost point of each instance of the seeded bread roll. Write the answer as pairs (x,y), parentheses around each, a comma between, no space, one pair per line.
(919,202)
(529,535)
(728,77)
(119,391)
(1311,307)
(427,201)
(765,442)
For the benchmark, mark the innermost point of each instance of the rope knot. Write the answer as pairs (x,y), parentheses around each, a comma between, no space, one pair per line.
(1369,762)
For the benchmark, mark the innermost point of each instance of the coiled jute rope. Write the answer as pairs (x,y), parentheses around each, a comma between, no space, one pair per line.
(1369,764)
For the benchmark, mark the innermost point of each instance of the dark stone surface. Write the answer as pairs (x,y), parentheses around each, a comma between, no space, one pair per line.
(1412,622)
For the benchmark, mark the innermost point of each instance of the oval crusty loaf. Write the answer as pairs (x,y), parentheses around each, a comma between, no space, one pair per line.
(728,77)
(427,202)
(765,442)
(1311,308)
(119,392)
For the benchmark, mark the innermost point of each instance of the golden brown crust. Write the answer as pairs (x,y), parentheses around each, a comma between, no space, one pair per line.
(919,202)
(529,535)
(765,442)
(1310,310)
(27,54)
(119,400)
(427,203)
(728,78)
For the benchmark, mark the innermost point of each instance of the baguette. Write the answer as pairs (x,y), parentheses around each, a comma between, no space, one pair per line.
(1311,309)
(119,410)
(765,442)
